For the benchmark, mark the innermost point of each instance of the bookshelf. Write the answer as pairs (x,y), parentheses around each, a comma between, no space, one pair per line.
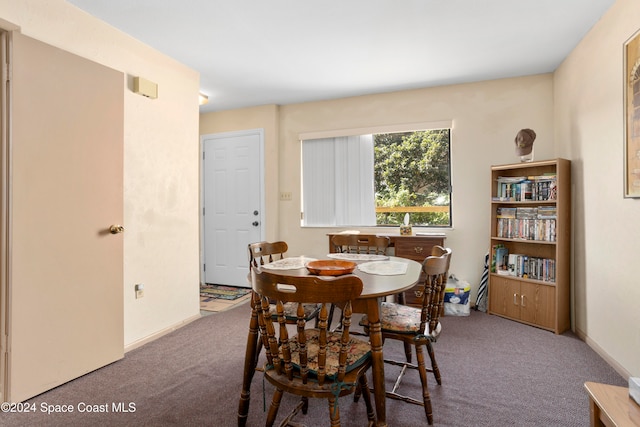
(529,276)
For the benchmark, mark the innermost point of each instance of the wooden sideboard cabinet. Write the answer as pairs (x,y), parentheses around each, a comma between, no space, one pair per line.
(412,247)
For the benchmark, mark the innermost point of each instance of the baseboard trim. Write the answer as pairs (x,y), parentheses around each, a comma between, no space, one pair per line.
(607,358)
(160,333)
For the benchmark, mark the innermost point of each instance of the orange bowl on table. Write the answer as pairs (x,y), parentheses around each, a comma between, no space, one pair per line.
(330,267)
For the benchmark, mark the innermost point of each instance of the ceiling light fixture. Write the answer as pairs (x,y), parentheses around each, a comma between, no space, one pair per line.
(204,99)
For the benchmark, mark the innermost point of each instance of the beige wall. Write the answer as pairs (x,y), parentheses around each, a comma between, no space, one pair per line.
(486,117)
(160,162)
(577,113)
(590,129)
(162,158)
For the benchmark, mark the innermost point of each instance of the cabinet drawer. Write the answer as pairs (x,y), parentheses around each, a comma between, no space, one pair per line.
(416,248)
(413,296)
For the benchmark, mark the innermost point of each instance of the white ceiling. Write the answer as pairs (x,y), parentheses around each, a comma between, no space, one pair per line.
(256,52)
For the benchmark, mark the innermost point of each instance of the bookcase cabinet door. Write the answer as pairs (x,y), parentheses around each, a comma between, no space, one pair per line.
(538,304)
(504,297)
(524,301)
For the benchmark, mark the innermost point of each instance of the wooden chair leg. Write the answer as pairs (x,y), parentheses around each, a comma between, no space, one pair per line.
(334,412)
(434,364)
(275,405)
(363,387)
(357,393)
(425,389)
(400,299)
(407,351)
(251,359)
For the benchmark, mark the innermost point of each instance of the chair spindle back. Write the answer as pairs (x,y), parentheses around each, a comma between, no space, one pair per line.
(270,286)
(360,244)
(435,271)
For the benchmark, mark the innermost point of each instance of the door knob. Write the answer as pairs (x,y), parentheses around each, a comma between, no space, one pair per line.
(255,223)
(115,229)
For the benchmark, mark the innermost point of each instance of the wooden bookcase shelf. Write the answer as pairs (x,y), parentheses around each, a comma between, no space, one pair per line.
(541,297)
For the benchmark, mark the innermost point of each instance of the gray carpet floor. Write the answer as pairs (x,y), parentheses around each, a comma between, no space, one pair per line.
(495,373)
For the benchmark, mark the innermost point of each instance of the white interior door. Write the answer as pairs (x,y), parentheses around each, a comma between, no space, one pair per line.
(64,308)
(233,204)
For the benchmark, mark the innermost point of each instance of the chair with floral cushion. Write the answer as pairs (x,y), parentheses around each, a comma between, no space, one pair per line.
(261,253)
(311,362)
(435,251)
(418,327)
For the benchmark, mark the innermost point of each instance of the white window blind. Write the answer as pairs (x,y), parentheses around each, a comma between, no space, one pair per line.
(337,182)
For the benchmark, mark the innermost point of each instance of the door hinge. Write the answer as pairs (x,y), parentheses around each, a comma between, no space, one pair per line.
(204,267)
(202,211)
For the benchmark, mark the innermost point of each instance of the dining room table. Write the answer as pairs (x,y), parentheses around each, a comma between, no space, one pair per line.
(381,277)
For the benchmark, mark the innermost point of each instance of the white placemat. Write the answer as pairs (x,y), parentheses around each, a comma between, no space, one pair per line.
(288,263)
(358,257)
(383,268)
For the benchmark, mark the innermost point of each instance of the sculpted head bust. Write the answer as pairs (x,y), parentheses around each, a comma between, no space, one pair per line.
(524,142)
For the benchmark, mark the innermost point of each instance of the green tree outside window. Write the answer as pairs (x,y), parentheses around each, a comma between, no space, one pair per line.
(412,175)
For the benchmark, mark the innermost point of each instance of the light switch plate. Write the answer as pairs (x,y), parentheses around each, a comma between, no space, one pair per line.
(286,195)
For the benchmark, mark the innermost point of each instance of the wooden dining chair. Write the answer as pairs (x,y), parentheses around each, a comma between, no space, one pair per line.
(261,253)
(436,250)
(417,327)
(360,244)
(357,244)
(311,362)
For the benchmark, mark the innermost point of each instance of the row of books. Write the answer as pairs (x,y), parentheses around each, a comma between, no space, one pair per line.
(527,229)
(540,212)
(524,266)
(526,188)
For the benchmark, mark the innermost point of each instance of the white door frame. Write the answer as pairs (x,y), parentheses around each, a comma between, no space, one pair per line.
(4,221)
(261,217)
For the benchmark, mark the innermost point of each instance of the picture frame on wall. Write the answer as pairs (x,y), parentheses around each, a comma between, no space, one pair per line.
(632,116)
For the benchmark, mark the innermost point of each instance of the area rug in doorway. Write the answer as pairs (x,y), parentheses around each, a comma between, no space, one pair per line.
(229,293)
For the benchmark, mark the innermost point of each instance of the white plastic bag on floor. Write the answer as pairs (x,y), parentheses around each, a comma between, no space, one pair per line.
(456,297)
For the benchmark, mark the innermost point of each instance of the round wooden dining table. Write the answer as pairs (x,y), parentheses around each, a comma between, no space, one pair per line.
(375,287)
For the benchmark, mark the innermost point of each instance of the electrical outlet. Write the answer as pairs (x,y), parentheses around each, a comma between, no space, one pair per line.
(139,288)
(286,195)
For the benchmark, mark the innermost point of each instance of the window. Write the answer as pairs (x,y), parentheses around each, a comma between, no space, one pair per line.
(375,179)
